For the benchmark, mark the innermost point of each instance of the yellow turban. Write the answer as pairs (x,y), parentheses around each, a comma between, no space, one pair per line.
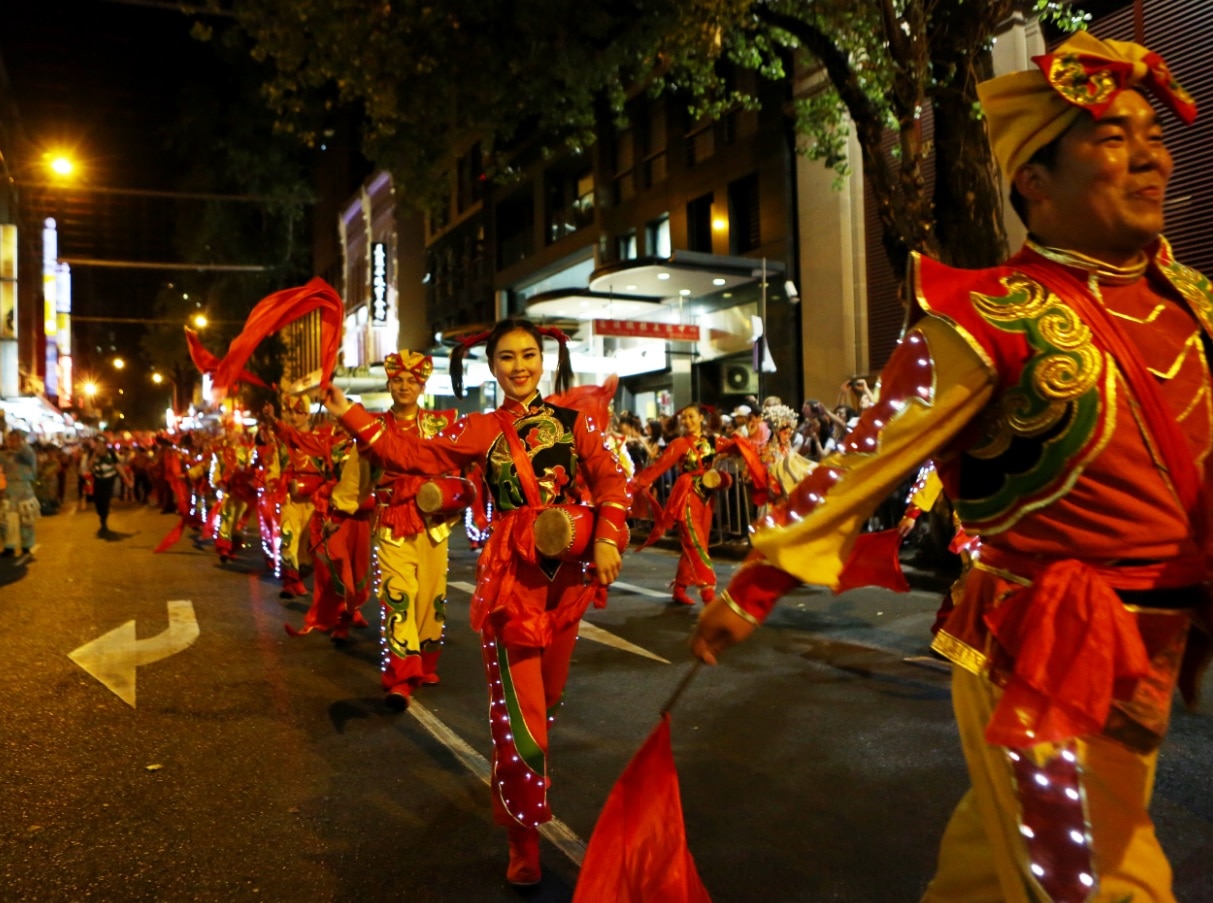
(420,365)
(1027,110)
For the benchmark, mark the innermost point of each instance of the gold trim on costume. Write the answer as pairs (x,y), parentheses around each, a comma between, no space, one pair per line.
(1150,318)
(1193,339)
(960,653)
(1105,273)
(737,609)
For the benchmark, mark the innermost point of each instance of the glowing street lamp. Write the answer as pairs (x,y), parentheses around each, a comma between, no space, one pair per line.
(89,389)
(61,166)
(200,321)
(119,363)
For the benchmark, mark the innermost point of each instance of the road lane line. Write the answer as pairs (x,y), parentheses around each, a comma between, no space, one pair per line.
(591,632)
(588,631)
(557,832)
(641,590)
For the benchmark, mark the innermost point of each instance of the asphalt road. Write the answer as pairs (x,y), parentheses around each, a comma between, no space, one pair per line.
(816,764)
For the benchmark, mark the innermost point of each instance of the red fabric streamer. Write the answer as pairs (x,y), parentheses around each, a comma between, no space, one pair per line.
(208,363)
(274,312)
(638,852)
(171,538)
(593,401)
(1072,641)
(874,561)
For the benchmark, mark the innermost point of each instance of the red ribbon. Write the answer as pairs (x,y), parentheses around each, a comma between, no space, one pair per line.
(274,312)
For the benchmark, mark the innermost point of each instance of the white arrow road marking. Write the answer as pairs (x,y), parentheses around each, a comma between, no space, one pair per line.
(113,657)
(591,632)
(560,834)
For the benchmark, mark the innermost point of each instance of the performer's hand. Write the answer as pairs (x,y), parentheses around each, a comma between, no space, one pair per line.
(334,399)
(718,629)
(607,562)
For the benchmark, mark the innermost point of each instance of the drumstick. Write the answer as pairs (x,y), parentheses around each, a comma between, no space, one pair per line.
(682,685)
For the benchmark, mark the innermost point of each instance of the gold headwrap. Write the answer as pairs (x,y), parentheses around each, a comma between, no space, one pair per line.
(1027,110)
(420,365)
(297,404)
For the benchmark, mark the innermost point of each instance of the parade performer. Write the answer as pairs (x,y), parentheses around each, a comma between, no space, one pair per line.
(340,540)
(785,466)
(410,547)
(691,501)
(233,479)
(1065,399)
(302,459)
(526,606)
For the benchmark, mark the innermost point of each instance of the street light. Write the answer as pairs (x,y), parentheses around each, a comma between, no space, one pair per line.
(200,321)
(119,363)
(159,379)
(61,165)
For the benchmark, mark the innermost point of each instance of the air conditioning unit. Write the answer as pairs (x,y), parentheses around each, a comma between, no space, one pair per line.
(739,379)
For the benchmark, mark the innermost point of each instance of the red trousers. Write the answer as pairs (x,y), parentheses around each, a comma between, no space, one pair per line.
(525,686)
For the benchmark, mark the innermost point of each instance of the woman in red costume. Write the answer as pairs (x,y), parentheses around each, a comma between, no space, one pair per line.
(690,504)
(526,607)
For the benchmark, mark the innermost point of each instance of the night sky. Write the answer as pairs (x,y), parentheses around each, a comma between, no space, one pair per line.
(102,80)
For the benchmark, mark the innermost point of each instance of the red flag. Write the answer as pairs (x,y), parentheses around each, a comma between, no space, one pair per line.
(275,311)
(875,561)
(638,851)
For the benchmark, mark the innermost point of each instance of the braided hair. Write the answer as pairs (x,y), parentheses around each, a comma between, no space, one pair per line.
(564,368)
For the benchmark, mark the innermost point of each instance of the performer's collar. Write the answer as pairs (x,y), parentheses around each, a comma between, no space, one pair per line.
(1104,273)
(514,406)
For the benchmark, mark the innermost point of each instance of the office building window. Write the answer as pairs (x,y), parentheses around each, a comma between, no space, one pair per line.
(654,142)
(625,158)
(469,178)
(570,202)
(699,224)
(745,231)
(657,237)
(625,245)
(515,229)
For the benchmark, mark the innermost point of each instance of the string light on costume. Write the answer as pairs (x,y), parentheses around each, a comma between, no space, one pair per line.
(1053,823)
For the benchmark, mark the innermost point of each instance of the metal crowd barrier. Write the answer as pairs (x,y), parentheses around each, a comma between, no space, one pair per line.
(733,510)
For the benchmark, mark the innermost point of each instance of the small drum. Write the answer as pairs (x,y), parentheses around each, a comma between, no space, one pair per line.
(444,497)
(716,479)
(564,531)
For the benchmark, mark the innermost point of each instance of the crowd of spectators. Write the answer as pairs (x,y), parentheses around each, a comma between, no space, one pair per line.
(39,477)
(790,443)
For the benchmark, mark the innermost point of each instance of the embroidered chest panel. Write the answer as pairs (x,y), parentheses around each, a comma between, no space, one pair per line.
(1049,419)
(546,432)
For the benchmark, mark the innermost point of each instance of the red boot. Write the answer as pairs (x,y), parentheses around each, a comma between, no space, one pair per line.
(708,595)
(524,856)
(680,595)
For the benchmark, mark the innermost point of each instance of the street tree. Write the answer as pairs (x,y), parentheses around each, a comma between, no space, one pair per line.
(431,78)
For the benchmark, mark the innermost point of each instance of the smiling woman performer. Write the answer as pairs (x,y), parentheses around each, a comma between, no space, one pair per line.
(526,606)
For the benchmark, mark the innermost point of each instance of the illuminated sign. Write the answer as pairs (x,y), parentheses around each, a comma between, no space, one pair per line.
(643,329)
(8,281)
(50,310)
(378,283)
